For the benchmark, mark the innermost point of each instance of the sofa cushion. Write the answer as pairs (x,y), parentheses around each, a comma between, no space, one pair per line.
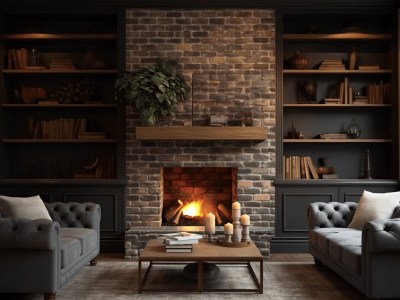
(71,250)
(31,208)
(342,240)
(320,237)
(351,257)
(374,206)
(87,237)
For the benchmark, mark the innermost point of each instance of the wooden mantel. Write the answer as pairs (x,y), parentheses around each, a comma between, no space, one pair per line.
(201,133)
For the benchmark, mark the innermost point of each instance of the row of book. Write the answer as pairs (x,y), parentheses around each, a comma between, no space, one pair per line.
(18,60)
(296,167)
(180,242)
(373,93)
(59,129)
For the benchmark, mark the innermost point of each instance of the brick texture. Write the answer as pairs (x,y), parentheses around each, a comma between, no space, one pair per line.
(228,58)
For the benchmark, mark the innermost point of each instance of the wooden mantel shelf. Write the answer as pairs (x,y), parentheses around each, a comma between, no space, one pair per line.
(201,133)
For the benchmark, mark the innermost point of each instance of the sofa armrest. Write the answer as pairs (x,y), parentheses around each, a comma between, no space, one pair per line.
(38,234)
(382,235)
(331,214)
(74,214)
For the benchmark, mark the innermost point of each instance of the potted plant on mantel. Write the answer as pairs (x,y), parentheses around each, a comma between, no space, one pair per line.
(154,90)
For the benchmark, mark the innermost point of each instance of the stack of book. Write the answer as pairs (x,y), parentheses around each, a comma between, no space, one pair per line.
(180,242)
(368,67)
(62,64)
(328,136)
(332,64)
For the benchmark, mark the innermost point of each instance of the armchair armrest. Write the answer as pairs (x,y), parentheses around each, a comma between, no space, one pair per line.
(74,214)
(382,235)
(38,234)
(332,214)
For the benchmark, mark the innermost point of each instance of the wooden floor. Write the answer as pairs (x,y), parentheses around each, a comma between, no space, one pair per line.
(275,257)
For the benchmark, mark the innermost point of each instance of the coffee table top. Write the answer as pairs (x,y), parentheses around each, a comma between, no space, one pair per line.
(203,251)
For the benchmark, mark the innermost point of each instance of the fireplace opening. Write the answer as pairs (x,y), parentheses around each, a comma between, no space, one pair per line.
(190,193)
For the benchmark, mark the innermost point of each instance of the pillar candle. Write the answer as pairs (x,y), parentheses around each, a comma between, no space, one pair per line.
(228,228)
(210,223)
(236,209)
(245,220)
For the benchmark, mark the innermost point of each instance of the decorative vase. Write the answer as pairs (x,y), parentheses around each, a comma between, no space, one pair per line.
(352,59)
(299,61)
(353,131)
(367,166)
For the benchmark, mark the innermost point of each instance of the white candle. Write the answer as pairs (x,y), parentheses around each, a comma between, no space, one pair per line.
(228,228)
(236,210)
(210,223)
(245,220)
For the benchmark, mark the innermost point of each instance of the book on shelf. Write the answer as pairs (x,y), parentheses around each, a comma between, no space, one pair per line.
(329,176)
(331,64)
(368,67)
(58,128)
(296,167)
(17,59)
(91,135)
(328,136)
(331,101)
(378,93)
(182,236)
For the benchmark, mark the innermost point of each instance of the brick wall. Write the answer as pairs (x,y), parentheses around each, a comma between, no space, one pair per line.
(228,57)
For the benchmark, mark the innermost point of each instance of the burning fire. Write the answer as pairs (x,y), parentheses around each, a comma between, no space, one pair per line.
(193,209)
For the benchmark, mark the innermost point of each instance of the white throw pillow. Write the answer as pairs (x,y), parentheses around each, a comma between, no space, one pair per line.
(29,208)
(374,206)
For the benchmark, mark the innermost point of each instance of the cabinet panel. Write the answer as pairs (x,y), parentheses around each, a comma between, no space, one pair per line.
(353,194)
(109,201)
(292,207)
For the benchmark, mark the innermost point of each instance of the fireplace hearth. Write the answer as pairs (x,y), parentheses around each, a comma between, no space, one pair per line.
(192,192)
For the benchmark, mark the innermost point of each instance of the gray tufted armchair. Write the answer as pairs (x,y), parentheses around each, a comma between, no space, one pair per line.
(41,256)
(367,259)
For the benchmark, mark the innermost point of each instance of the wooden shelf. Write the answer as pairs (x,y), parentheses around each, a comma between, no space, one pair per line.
(202,133)
(323,141)
(65,36)
(297,105)
(58,141)
(111,71)
(336,37)
(83,105)
(314,71)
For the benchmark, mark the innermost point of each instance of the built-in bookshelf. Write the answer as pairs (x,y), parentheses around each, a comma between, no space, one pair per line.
(314,124)
(62,133)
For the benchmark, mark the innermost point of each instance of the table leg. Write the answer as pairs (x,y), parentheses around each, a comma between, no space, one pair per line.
(200,276)
(261,276)
(140,277)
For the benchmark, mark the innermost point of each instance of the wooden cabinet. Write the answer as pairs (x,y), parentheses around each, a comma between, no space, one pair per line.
(331,35)
(62,133)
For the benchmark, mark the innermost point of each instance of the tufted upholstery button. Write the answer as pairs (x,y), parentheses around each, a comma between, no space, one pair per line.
(336,208)
(321,208)
(87,208)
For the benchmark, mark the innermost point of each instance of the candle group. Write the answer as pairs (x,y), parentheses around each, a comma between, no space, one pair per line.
(210,223)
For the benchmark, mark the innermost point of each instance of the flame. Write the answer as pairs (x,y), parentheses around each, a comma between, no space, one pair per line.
(193,209)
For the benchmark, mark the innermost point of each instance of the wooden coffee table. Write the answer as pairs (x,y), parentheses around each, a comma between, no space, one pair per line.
(204,252)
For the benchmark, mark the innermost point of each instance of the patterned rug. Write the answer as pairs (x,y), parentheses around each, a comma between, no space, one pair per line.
(282,281)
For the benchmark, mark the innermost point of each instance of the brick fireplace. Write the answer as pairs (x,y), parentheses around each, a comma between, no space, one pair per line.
(228,57)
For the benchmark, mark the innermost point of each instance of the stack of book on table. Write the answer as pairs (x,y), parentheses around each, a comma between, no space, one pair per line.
(180,242)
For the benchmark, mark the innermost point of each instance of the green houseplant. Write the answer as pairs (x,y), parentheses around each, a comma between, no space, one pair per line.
(154,90)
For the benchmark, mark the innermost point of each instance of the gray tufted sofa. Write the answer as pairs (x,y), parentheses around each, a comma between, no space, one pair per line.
(41,256)
(367,259)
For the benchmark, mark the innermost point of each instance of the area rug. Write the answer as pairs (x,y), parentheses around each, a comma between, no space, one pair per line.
(282,281)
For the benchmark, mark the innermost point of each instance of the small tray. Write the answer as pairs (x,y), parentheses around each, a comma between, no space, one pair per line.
(222,242)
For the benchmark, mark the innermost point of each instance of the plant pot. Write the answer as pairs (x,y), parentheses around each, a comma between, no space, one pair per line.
(148,120)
